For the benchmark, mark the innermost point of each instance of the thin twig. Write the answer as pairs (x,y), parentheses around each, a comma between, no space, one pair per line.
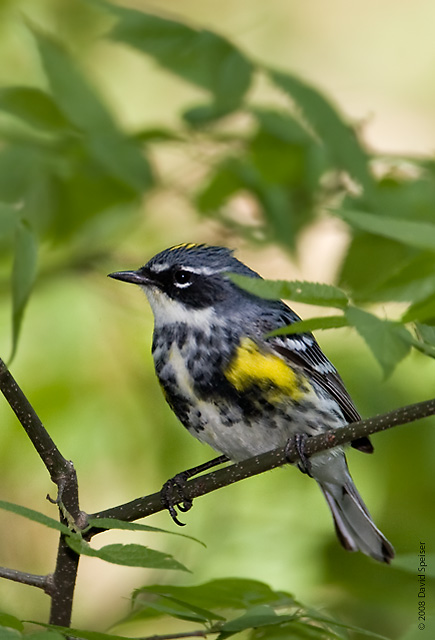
(142,507)
(31,579)
(52,458)
(176,636)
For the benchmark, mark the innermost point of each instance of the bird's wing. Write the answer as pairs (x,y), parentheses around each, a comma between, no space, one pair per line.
(302,350)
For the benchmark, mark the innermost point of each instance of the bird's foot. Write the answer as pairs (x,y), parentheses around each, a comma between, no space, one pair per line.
(172,496)
(173,493)
(299,441)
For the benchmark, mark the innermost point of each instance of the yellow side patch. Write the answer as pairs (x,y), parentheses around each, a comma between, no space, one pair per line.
(250,367)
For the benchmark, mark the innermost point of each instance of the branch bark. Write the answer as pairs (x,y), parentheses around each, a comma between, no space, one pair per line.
(56,464)
(142,507)
(62,473)
(60,585)
(32,579)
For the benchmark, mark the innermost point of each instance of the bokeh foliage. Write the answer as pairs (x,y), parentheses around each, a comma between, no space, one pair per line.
(73,183)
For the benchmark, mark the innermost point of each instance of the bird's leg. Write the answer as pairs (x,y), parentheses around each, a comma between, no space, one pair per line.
(299,441)
(172,493)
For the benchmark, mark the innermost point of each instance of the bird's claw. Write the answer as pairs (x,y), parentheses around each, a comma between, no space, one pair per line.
(300,441)
(173,498)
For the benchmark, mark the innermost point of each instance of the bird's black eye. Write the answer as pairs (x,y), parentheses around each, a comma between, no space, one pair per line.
(182,278)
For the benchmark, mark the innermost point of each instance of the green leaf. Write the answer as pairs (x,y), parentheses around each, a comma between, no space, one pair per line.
(225,593)
(198,613)
(411,281)
(284,215)
(338,137)
(423,347)
(80,633)
(285,208)
(147,610)
(36,516)
(312,324)
(9,634)
(34,106)
(117,153)
(86,191)
(426,333)
(9,219)
(389,342)
(410,562)
(408,232)
(334,623)
(204,114)
(324,295)
(130,555)
(407,194)
(6,620)
(282,126)
(157,134)
(199,56)
(370,260)
(113,523)
(421,311)
(277,160)
(148,606)
(258,616)
(225,182)
(416,633)
(176,612)
(284,152)
(13,183)
(295,630)
(48,634)
(23,276)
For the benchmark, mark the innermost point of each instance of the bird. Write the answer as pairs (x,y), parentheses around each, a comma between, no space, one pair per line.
(243,391)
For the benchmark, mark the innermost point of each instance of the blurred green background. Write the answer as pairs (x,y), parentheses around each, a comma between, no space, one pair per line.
(84,353)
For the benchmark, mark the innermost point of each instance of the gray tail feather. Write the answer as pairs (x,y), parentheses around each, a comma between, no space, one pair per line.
(353,524)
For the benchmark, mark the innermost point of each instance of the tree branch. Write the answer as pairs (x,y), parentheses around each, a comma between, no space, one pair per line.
(60,585)
(63,474)
(148,505)
(186,634)
(63,585)
(44,445)
(32,579)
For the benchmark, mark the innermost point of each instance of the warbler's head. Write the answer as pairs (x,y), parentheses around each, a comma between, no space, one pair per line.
(188,278)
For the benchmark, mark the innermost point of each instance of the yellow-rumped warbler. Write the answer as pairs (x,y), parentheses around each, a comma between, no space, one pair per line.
(242,393)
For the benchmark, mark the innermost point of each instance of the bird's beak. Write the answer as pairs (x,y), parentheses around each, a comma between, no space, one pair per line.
(135,277)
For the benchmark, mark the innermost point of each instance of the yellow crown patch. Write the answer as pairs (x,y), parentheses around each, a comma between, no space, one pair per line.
(185,245)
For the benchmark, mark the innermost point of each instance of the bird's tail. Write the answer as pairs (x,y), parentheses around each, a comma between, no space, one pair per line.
(353,524)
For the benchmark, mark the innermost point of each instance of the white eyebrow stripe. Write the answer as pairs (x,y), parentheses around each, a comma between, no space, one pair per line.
(157,268)
(202,271)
